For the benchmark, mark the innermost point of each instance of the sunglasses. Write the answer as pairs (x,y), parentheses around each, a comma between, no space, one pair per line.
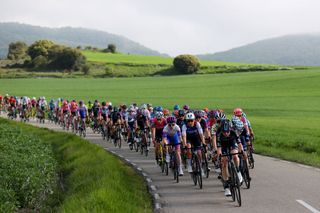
(172,124)
(189,121)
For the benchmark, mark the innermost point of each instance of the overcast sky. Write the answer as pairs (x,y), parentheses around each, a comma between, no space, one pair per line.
(174,26)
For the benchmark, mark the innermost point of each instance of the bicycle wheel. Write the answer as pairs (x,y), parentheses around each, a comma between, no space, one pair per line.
(236,184)
(176,168)
(166,167)
(245,173)
(205,167)
(119,138)
(199,173)
(194,171)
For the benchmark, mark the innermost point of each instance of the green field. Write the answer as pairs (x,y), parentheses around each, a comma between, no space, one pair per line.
(141,59)
(283,106)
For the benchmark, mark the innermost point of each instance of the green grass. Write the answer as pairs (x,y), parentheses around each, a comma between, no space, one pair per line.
(94,181)
(283,106)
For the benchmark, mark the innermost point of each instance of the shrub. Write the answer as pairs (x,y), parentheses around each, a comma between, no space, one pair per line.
(187,64)
(85,69)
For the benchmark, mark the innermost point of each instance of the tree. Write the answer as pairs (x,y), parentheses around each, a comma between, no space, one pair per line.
(112,48)
(68,58)
(40,47)
(17,50)
(187,64)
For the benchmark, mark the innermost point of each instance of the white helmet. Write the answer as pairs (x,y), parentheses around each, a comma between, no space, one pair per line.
(190,116)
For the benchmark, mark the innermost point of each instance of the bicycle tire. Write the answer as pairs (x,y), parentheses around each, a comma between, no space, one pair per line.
(236,184)
(246,174)
(199,172)
(250,159)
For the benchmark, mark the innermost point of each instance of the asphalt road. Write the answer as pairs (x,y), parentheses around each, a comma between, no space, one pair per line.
(277,186)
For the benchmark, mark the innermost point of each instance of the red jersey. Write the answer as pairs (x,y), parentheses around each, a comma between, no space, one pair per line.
(159,124)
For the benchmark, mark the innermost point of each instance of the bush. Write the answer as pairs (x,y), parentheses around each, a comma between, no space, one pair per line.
(85,69)
(187,64)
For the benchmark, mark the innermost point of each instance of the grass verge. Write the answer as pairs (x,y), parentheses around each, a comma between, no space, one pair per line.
(93,180)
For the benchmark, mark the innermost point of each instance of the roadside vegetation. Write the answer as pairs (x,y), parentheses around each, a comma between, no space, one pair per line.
(282,106)
(46,171)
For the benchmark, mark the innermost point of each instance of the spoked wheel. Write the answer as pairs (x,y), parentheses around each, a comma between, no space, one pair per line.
(166,167)
(205,167)
(236,195)
(119,138)
(194,172)
(199,173)
(245,173)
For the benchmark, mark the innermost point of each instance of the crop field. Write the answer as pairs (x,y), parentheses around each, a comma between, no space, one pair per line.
(283,106)
(141,59)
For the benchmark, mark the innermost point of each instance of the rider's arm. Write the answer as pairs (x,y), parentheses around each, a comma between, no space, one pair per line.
(184,135)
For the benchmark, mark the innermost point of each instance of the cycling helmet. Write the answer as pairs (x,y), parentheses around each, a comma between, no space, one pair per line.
(103,103)
(143,106)
(33,98)
(110,103)
(109,107)
(190,116)
(166,112)
(65,103)
(237,124)
(176,113)
(225,125)
(237,112)
(176,107)
(181,112)
(197,114)
(124,106)
(160,108)
(80,102)
(171,120)
(186,107)
(206,110)
(139,112)
(149,105)
(159,115)
(219,115)
(115,109)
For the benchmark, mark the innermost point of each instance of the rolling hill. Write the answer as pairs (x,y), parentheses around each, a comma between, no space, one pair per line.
(11,32)
(297,50)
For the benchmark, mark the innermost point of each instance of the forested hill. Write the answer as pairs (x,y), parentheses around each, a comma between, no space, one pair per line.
(286,50)
(12,32)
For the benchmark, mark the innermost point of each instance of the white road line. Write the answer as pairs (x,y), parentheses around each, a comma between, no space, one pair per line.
(313,210)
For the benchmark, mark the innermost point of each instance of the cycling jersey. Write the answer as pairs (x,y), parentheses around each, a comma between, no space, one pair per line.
(180,123)
(227,142)
(193,134)
(172,134)
(203,124)
(130,119)
(82,112)
(158,125)
(141,121)
(115,116)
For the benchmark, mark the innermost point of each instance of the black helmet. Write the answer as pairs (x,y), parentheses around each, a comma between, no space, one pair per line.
(181,112)
(115,109)
(103,103)
(225,125)
(109,107)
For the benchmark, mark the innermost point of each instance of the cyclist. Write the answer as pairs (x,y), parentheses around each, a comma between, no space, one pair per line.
(228,140)
(157,125)
(65,111)
(141,123)
(1,103)
(192,136)
(115,121)
(130,120)
(180,119)
(82,114)
(172,136)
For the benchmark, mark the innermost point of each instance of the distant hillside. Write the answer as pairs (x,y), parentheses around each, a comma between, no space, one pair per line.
(287,50)
(11,32)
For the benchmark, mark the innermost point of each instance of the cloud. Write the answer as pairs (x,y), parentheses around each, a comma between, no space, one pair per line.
(174,27)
